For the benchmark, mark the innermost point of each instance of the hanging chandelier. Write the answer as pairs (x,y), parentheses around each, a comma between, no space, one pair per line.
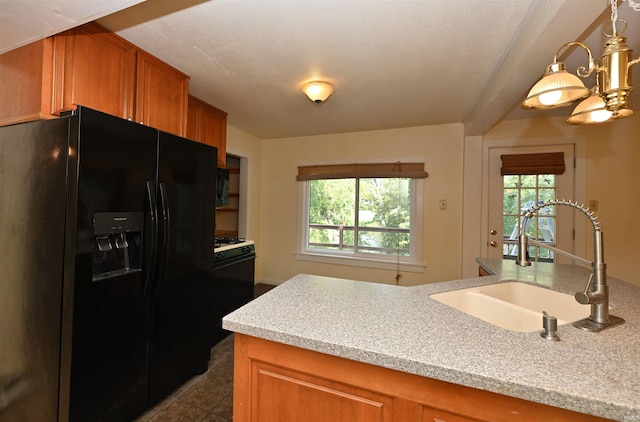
(605,102)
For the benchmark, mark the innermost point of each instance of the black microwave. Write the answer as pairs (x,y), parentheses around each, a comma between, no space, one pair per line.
(222,191)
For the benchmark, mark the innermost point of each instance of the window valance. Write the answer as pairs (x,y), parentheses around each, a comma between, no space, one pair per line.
(343,171)
(537,163)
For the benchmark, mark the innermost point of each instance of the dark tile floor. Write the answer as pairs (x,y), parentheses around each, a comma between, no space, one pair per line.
(207,397)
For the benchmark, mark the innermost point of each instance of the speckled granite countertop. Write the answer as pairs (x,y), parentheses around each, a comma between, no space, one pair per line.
(403,329)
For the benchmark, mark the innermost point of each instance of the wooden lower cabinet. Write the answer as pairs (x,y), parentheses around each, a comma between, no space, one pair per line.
(277,382)
(284,395)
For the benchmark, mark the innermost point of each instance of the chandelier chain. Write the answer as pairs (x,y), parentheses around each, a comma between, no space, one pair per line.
(635,5)
(614,17)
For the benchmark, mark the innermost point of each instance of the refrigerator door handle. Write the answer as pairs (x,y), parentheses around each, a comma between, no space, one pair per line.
(153,217)
(166,224)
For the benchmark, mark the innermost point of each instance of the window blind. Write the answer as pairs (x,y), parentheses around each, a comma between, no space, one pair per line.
(537,163)
(344,171)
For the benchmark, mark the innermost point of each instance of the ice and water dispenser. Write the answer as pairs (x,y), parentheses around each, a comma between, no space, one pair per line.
(117,247)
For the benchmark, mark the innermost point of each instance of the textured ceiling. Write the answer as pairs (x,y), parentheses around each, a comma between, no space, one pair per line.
(394,63)
(25,21)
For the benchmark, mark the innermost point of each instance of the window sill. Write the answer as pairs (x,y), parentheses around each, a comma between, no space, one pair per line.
(359,262)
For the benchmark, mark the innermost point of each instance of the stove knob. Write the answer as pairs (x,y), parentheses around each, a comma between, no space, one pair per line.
(219,255)
(246,249)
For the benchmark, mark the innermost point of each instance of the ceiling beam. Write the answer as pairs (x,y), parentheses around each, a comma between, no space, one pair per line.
(548,25)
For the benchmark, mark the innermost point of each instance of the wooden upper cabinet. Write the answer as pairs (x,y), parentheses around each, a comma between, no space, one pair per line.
(208,125)
(194,110)
(161,95)
(25,83)
(94,68)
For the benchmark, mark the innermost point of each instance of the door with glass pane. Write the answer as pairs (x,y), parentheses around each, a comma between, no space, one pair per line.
(510,195)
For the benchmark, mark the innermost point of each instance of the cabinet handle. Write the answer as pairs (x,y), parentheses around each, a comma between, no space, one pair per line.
(493,232)
(493,244)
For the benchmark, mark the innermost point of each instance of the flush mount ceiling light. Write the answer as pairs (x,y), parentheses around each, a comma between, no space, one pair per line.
(317,91)
(609,99)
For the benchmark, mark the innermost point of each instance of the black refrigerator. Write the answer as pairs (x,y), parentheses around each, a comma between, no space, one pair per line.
(106,250)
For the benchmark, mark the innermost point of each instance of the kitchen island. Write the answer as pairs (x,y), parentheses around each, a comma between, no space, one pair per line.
(439,363)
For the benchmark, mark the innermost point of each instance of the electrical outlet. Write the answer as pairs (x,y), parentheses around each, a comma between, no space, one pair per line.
(593,205)
(442,204)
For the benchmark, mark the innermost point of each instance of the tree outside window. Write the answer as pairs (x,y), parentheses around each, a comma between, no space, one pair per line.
(361,216)
(522,192)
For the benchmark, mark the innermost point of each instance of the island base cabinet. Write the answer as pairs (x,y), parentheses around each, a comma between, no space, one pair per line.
(277,382)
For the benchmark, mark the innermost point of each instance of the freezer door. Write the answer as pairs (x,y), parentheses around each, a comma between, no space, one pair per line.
(181,306)
(111,313)
(33,160)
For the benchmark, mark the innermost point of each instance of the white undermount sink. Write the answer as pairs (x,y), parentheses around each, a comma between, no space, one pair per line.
(514,305)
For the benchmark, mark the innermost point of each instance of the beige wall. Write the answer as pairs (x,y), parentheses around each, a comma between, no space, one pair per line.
(613,179)
(440,146)
(249,147)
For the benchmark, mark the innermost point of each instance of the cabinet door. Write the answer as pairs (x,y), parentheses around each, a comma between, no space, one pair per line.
(94,68)
(289,396)
(208,125)
(430,414)
(161,95)
(214,123)
(25,83)
(194,113)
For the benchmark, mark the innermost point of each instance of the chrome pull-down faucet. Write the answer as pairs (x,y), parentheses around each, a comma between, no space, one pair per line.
(596,293)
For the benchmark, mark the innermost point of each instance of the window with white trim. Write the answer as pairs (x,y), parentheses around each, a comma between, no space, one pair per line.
(370,212)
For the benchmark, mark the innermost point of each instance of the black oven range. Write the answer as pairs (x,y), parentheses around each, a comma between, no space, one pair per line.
(233,269)
(226,248)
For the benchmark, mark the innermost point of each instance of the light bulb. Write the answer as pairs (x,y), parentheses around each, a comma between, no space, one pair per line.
(550,98)
(601,115)
(315,90)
